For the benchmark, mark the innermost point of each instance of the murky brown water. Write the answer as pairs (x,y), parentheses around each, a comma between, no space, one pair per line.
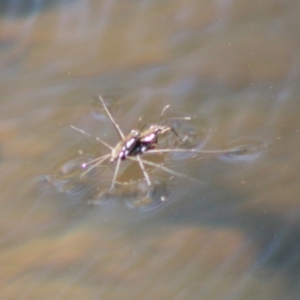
(233,66)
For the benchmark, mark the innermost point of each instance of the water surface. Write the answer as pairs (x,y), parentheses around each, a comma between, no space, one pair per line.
(233,67)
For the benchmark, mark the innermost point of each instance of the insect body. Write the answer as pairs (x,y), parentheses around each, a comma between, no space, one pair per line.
(126,146)
(148,139)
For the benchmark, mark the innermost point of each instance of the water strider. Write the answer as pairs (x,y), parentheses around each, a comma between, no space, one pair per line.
(137,143)
(131,147)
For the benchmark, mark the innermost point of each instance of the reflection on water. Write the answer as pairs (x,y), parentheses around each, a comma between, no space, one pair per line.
(232,232)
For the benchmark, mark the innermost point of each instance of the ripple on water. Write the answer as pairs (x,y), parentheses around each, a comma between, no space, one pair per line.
(132,192)
(243,150)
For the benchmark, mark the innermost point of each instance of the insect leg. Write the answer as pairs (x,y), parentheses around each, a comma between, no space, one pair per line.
(115,174)
(97,162)
(232,150)
(163,111)
(168,170)
(140,161)
(96,138)
(112,119)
